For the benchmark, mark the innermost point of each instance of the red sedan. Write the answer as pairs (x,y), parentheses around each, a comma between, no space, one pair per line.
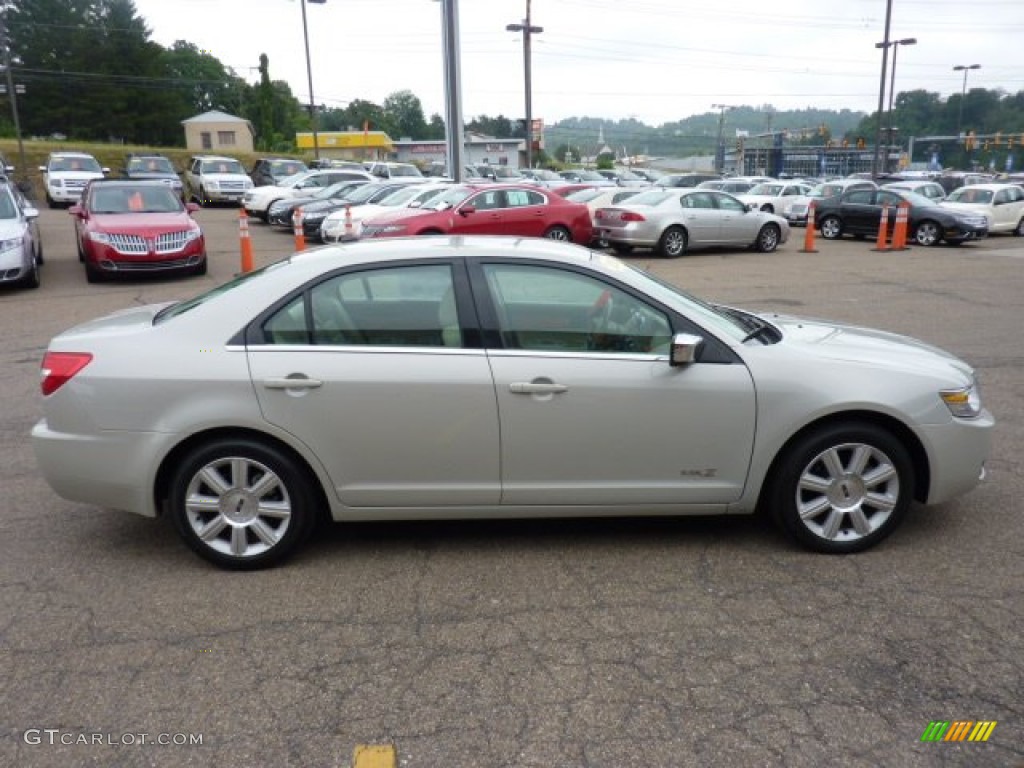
(133,227)
(506,209)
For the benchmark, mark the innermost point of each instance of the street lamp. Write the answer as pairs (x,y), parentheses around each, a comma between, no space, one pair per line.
(965,68)
(719,147)
(884,45)
(527,29)
(892,81)
(309,76)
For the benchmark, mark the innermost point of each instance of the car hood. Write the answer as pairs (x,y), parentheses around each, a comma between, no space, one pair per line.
(11,228)
(141,223)
(75,175)
(392,215)
(849,343)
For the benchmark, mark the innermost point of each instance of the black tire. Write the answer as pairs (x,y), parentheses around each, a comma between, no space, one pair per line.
(50,201)
(259,539)
(31,280)
(768,238)
(559,233)
(672,243)
(831,227)
(622,249)
(78,247)
(840,516)
(39,254)
(1019,231)
(201,269)
(94,274)
(201,198)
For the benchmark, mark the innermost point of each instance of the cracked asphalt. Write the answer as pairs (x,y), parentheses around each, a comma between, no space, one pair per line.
(537,644)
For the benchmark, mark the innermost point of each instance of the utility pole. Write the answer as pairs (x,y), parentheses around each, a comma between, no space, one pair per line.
(454,129)
(719,146)
(884,45)
(12,91)
(309,76)
(528,30)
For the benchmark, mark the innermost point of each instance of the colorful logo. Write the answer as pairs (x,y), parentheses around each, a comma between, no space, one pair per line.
(958,730)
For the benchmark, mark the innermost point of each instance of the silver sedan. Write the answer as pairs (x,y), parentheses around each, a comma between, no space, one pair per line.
(673,221)
(409,379)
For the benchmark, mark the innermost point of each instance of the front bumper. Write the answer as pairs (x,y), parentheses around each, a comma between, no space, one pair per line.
(957,452)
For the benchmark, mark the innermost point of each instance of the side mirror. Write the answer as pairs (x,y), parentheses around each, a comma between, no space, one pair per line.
(467,209)
(751,207)
(42,169)
(77,210)
(105,170)
(685,347)
(191,207)
(30,213)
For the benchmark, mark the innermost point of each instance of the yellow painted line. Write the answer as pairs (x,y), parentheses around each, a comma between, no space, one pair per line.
(374,756)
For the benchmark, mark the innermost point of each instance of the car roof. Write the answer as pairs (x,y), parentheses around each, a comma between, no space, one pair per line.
(992,186)
(71,154)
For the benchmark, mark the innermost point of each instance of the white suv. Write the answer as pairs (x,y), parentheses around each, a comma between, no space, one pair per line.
(212,179)
(66,174)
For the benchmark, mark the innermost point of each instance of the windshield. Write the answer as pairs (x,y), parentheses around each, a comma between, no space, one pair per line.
(591,176)
(700,311)
(583,195)
(126,199)
(401,196)
(223,166)
(971,196)
(405,170)
(452,197)
(651,197)
(150,165)
(182,307)
(545,175)
(85,163)
(363,193)
(771,190)
(283,168)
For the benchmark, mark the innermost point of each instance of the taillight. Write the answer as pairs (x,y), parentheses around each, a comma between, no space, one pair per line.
(631,216)
(59,367)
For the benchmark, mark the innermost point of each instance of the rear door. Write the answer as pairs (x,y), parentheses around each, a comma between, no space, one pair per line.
(372,370)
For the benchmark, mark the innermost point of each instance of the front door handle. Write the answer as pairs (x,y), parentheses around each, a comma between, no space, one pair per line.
(299,382)
(537,388)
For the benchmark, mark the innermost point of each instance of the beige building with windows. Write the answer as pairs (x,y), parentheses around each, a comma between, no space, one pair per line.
(218,132)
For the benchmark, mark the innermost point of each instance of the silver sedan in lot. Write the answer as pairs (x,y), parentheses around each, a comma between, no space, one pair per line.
(447,377)
(675,220)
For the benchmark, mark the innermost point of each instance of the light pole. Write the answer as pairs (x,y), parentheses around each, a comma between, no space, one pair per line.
(309,76)
(719,147)
(892,85)
(965,68)
(528,30)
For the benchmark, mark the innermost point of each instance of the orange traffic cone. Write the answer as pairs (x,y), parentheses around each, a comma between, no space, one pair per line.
(350,230)
(882,243)
(245,244)
(809,233)
(300,233)
(899,235)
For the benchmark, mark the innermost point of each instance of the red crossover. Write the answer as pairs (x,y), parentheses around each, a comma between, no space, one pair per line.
(506,209)
(134,227)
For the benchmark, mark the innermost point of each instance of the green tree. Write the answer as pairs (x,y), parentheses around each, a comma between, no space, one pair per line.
(405,114)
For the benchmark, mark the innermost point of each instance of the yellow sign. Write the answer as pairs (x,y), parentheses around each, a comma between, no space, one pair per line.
(345,140)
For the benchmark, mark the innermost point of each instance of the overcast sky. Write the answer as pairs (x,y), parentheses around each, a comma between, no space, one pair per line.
(655,60)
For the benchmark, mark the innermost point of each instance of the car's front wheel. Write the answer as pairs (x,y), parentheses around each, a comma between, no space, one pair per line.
(831,228)
(843,488)
(672,243)
(241,504)
(1019,231)
(768,238)
(927,233)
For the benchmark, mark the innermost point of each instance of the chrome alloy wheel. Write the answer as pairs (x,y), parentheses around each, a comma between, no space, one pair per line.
(927,233)
(237,506)
(847,492)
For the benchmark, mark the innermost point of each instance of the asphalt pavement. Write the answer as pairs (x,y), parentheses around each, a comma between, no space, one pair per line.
(540,644)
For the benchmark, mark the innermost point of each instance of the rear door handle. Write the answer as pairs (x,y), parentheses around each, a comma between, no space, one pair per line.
(536,388)
(299,382)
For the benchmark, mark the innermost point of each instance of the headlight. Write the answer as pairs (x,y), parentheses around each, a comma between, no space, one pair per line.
(212,184)
(10,245)
(313,216)
(393,228)
(193,234)
(99,237)
(963,403)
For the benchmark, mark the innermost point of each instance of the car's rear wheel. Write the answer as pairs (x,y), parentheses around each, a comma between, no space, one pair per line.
(831,228)
(768,238)
(843,488)
(558,233)
(672,243)
(241,504)
(1019,231)
(927,233)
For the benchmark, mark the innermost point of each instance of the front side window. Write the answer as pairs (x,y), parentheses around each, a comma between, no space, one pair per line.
(545,309)
(727,203)
(394,306)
